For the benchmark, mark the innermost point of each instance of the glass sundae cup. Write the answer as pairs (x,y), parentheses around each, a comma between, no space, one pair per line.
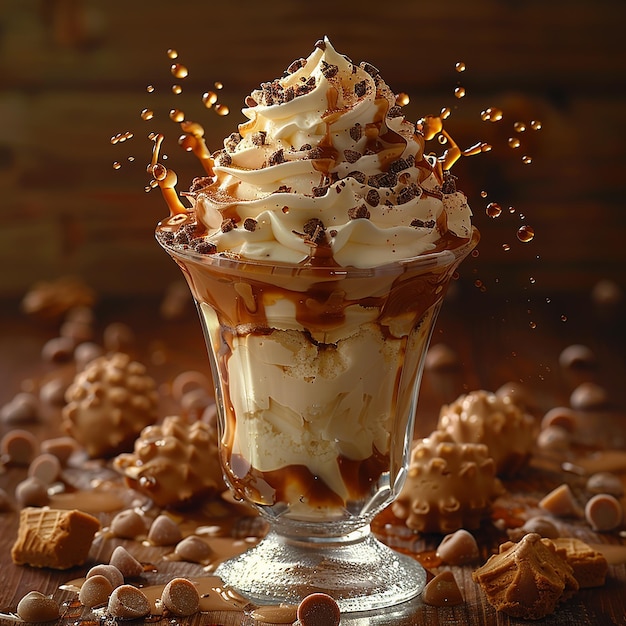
(318,248)
(317,372)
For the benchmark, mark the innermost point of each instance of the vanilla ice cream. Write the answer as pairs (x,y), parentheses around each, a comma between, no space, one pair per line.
(318,247)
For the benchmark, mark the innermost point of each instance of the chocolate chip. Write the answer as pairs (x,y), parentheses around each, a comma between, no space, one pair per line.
(352,156)
(284,189)
(360,89)
(370,69)
(358,176)
(315,230)
(318,192)
(329,70)
(277,157)
(394,111)
(258,138)
(250,102)
(384,179)
(250,224)
(356,131)
(305,146)
(205,247)
(407,194)
(423,224)
(232,141)
(180,597)
(449,183)
(398,165)
(296,65)
(228,224)
(358,212)
(373,197)
(321,44)
(200,182)
(36,607)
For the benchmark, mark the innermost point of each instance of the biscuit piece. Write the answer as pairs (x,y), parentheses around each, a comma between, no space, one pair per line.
(53,538)
(527,579)
(590,566)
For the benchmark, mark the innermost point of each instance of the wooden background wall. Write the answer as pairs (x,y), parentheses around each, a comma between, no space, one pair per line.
(73,73)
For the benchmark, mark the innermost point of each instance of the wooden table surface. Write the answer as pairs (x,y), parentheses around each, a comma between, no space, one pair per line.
(499,338)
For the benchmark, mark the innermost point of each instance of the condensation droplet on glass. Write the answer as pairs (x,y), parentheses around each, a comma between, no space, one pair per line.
(116,165)
(150,88)
(475,253)
(493,209)
(514,142)
(402,99)
(519,127)
(535,124)
(511,210)
(564,318)
(218,85)
(526,160)
(532,280)
(459,92)
(460,66)
(533,325)
(171,53)
(442,139)
(548,300)
(209,98)
(506,247)
(176,115)
(177,89)
(179,70)
(130,159)
(147,114)
(478,283)
(483,194)
(526,233)
(221,109)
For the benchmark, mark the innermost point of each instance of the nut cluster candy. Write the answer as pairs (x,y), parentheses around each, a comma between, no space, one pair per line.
(449,485)
(497,422)
(109,403)
(174,462)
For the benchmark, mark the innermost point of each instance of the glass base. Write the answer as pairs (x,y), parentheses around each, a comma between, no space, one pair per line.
(359,571)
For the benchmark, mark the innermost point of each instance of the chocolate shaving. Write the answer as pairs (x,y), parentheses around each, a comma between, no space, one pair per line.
(359,212)
(395,111)
(384,179)
(250,102)
(408,193)
(423,224)
(321,44)
(305,146)
(352,156)
(200,182)
(223,158)
(398,165)
(284,189)
(306,87)
(184,234)
(449,183)
(318,192)
(250,224)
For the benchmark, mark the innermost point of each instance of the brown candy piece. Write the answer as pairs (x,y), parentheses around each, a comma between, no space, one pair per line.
(34,607)
(110,572)
(589,396)
(561,502)
(604,512)
(180,597)
(442,590)
(590,566)
(577,357)
(32,492)
(61,447)
(128,602)
(58,350)
(194,549)
(19,447)
(46,467)
(605,482)
(318,609)
(21,409)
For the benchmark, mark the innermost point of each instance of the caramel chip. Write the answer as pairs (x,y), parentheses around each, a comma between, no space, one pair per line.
(604,512)
(442,590)
(128,524)
(194,550)
(95,591)
(164,531)
(318,609)
(128,602)
(590,566)
(180,597)
(561,502)
(110,572)
(458,548)
(126,563)
(34,607)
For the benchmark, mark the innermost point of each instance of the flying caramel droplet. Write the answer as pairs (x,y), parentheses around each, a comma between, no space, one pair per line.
(179,70)
(147,114)
(526,233)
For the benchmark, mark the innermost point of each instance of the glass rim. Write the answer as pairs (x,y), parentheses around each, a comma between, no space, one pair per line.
(439,258)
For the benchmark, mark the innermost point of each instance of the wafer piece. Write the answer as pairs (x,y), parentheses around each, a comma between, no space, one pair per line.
(53,538)
(590,566)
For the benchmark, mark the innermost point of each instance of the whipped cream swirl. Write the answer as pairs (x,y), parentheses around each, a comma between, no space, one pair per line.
(326,171)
